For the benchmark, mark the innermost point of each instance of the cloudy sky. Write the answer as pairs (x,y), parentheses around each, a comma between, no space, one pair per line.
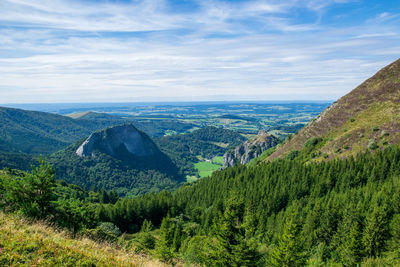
(159,50)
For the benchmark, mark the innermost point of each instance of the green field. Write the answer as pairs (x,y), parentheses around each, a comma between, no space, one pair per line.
(219,160)
(205,168)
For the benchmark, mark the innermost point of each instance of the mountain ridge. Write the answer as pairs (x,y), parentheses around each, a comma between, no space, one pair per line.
(367,115)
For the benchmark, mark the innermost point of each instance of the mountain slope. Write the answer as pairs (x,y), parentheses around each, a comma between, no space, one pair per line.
(367,117)
(36,132)
(119,158)
(36,244)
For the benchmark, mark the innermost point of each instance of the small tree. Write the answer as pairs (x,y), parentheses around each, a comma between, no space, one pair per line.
(33,192)
(164,246)
(375,232)
(43,183)
(353,248)
(233,249)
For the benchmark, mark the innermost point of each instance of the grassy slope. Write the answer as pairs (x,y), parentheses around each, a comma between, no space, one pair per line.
(35,244)
(349,124)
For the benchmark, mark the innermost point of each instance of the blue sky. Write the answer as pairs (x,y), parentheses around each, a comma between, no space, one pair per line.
(158,50)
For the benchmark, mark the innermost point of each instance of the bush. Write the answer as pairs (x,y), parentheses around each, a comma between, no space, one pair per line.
(292,154)
(312,142)
(105,231)
(199,250)
(144,241)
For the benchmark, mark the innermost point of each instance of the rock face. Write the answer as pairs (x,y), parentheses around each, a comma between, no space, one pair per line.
(250,149)
(117,139)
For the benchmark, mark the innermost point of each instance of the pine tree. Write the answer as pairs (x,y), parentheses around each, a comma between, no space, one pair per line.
(42,186)
(164,248)
(353,247)
(394,243)
(375,232)
(147,226)
(233,247)
(289,251)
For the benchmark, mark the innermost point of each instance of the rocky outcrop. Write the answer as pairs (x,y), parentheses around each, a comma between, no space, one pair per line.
(250,149)
(114,140)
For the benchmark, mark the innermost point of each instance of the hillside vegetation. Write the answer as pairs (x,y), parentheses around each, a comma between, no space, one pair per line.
(367,117)
(330,213)
(25,243)
(37,132)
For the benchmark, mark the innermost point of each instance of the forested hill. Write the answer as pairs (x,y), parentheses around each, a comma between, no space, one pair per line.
(367,117)
(283,213)
(119,158)
(34,132)
(37,132)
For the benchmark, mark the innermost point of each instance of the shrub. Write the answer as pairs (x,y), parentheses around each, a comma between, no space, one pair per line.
(312,142)
(105,231)
(292,154)
(144,241)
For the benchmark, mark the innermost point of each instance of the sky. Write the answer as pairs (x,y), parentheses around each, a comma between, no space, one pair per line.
(64,51)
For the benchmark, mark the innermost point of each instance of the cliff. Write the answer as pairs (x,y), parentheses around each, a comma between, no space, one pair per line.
(250,149)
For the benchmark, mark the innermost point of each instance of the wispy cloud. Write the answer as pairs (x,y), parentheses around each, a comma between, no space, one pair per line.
(87,51)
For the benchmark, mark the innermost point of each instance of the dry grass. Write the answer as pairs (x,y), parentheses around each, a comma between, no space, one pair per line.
(36,244)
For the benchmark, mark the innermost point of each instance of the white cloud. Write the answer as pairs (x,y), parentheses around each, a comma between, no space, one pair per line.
(67,51)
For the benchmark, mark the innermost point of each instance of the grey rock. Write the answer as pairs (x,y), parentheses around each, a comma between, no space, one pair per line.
(250,149)
(113,139)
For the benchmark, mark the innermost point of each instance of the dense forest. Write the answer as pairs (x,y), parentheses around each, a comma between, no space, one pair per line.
(284,213)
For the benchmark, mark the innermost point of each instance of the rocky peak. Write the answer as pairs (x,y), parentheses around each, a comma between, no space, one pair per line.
(115,139)
(250,149)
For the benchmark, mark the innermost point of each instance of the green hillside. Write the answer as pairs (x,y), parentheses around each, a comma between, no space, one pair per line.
(367,117)
(26,243)
(319,214)
(35,132)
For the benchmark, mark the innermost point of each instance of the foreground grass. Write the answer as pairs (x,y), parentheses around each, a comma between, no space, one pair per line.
(36,244)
